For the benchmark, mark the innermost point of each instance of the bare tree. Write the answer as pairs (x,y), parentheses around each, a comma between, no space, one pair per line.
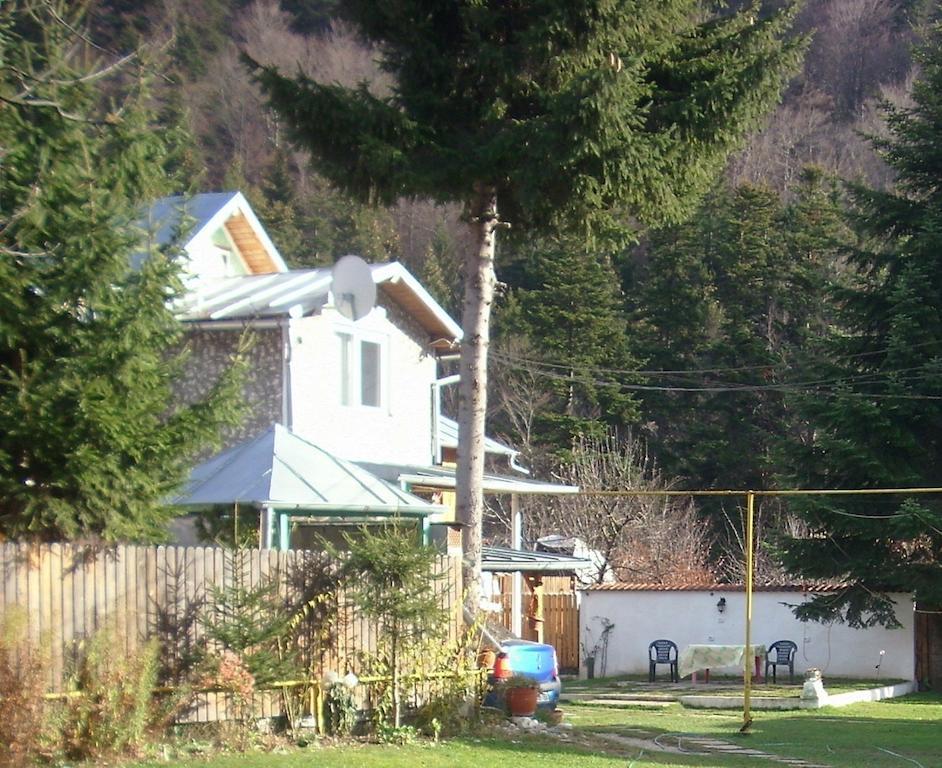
(856,50)
(771,520)
(518,394)
(638,538)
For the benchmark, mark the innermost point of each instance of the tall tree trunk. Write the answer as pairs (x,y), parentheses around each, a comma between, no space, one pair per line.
(479,281)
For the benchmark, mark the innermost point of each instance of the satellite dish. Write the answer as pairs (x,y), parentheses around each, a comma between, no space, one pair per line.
(353,287)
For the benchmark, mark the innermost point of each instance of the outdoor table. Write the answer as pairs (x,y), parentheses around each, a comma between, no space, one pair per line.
(696,657)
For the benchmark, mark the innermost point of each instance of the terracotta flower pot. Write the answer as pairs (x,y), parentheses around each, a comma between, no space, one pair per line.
(521,702)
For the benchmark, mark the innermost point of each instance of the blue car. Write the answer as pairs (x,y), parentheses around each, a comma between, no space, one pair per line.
(534,660)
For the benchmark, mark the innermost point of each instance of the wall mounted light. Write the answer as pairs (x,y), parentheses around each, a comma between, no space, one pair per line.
(721,605)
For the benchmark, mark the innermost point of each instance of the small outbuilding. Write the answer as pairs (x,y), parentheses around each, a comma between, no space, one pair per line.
(297,486)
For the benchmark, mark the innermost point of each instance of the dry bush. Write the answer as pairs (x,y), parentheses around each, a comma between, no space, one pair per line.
(114,710)
(24,734)
(655,539)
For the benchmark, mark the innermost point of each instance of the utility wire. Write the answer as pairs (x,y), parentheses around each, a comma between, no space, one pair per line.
(628,493)
(520,362)
(818,385)
(696,371)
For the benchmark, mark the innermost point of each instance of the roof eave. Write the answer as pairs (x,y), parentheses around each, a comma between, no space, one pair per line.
(494,487)
(238,203)
(509,565)
(393,273)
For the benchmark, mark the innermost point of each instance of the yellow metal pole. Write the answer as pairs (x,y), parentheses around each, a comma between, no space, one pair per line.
(748,655)
(320,717)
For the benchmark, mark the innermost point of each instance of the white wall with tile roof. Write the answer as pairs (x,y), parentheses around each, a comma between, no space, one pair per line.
(691,617)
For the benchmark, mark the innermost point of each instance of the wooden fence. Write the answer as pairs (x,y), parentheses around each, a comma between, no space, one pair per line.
(928,638)
(560,617)
(65,593)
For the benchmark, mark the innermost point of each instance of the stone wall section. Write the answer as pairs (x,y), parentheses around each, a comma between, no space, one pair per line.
(210,352)
(403,321)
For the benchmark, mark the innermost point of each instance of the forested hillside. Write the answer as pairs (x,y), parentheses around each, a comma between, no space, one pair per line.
(700,356)
(859,53)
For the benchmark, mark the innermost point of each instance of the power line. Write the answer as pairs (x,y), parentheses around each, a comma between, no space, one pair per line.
(819,385)
(770,366)
(786,492)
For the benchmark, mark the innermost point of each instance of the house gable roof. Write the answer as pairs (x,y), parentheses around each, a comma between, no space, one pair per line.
(204,215)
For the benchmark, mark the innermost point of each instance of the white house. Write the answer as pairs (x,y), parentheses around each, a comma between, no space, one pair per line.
(365,390)
(361,389)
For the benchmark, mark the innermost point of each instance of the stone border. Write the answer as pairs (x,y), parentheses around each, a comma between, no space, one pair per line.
(872,694)
(700,701)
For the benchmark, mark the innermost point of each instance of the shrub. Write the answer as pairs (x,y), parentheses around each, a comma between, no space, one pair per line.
(24,734)
(113,711)
(228,672)
(252,622)
(341,709)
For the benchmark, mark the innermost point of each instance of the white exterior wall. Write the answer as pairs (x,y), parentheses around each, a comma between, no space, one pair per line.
(691,617)
(397,432)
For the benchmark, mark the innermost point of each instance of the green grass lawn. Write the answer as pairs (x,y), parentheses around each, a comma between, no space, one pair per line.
(889,734)
(851,737)
(524,752)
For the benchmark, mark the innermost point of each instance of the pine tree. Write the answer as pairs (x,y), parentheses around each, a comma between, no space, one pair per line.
(93,440)
(391,578)
(568,306)
(709,299)
(734,297)
(440,270)
(252,621)
(877,422)
(569,115)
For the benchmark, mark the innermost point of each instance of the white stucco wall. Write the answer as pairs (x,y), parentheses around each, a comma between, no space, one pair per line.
(689,617)
(397,432)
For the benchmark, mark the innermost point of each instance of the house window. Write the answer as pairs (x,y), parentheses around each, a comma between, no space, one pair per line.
(361,371)
(346,368)
(370,373)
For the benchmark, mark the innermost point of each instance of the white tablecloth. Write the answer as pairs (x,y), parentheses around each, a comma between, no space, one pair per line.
(696,657)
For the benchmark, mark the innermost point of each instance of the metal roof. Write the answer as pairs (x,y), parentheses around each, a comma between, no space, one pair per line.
(443,478)
(247,297)
(504,559)
(282,470)
(202,215)
(165,215)
(301,292)
(448,436)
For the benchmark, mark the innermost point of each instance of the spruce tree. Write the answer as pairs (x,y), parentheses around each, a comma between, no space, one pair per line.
(93,439)
(876,419)
(725,306)
(568,306)
(390,576)
(725,296)
(567,115)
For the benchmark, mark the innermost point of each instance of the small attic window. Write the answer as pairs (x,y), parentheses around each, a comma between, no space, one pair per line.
(214,261)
